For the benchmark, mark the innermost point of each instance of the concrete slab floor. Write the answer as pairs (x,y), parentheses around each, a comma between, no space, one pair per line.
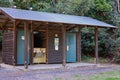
(49,66)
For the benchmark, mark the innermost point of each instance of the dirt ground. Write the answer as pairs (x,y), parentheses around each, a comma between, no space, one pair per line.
(54,74)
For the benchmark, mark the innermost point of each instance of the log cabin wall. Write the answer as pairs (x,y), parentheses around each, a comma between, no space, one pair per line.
(8,48)
(54,56)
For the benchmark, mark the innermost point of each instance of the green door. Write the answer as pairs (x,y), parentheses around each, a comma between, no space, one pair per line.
(20,47)
(71,47)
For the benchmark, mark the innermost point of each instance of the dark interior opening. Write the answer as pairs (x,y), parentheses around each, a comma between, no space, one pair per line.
(39,40)
(39,55)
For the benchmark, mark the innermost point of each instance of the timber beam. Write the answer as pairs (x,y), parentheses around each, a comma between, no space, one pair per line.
(71,27)
(15,42)
(31,43)
(78,44)
(64,45)
(96,45)
(26,45)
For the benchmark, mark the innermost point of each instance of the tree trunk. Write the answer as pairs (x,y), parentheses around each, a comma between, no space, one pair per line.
(118,5)
(54,2)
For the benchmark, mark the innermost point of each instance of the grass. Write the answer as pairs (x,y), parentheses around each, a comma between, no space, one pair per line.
(58,79)
(112,75)
(90,59)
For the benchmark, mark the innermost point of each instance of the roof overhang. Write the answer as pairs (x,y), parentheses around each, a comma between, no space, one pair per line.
(18,14)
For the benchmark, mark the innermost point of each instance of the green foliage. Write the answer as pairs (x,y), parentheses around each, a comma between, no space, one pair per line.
(87,58)
(4,3)
(116,52)
(111,75)
(88,41)
(106,43)
(101,10)
(95,75)
(76,7)
(102,5)
(83,7)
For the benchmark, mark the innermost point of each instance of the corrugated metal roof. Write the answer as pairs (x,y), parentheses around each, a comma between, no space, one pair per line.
(53,17)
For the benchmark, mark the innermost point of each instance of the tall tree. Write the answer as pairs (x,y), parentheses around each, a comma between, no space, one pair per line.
(118,5)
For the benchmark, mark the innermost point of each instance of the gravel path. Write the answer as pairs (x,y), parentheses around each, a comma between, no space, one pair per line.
(15,74)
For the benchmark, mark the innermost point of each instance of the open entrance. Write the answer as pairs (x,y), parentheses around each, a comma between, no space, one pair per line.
(39,54)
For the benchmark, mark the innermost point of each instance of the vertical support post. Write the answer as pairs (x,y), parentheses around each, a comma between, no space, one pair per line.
(96,45)
(64,45)
(31,43)
(78,44)
(47,43)
(26,45)
(15,42)
(2,40)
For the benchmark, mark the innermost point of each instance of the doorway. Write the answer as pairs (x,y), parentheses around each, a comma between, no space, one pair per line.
(21,48)
(71,47)
(39,51)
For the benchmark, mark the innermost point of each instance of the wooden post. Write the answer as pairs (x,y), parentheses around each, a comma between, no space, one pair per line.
(15,42)
(26,45)
(47,43)
(78,45)
(31,43)
(96,45)
(64,45)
